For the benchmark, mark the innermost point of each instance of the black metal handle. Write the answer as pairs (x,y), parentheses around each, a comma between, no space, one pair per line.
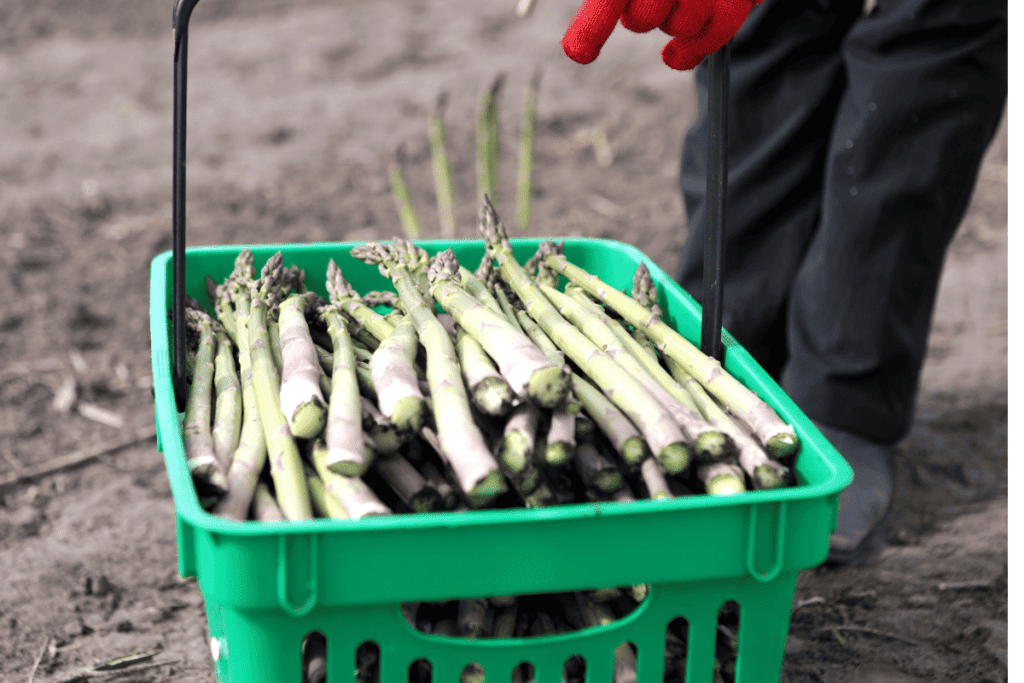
(182,13)
(714,203)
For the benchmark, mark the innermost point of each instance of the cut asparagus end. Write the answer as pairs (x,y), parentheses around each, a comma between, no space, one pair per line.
(782,445)
(549,386)
(634,450)
(541,497)
(309,419)
(493,396)
(725,484)
(528,480)
(674,458)
(426,500)
(492,486)
(608,481)
(346,465)
(515,451)
(210,479)
(713,446)
(409,414)
(558,453)
(770,476)
(385,439)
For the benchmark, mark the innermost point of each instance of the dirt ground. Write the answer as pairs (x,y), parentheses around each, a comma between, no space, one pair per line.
(296,110)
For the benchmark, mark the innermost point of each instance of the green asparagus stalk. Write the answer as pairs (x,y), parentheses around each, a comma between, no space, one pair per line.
(460,440)
(487,142)
(654,478)
(442,170)
(778,437)
(346,453)
(410,220)
(690,421)
(520,437)
(561,435)
(285,462)
(622,433)
(721,478)
(355,496)
(708,442)
(490,392)
(343,295)
(301,400)
(392,369)
(324,504)
(506,307)
(654,422)
(530,373)
(764,472)
(227,414)
(274,336)
(597,471)
(524,184)
(251,454)
(408,483)
(478,288)
(206,469)
(448,496)
(264,507)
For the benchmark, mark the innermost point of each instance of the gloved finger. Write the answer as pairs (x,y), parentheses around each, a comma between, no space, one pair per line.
(641,16)
(594,22)
(684,53)
(688,18)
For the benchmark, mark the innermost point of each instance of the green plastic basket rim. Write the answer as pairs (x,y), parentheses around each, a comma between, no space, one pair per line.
(187,502)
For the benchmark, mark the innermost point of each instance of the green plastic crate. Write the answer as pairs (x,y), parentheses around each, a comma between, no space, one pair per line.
(266,586)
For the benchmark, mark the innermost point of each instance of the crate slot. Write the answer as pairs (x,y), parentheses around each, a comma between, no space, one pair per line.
(524,672)
(575,669)
(368,662)
(473,673)
(421,671)
(314,658)
(625,663)
(676,641)
(727,641)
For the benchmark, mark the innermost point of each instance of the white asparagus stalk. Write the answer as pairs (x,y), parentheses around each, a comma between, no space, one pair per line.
(301,400)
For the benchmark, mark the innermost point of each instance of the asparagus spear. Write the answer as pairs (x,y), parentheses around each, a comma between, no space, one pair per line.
(410,485)
(384,438)
(721,478)
(301,400)
(708,442)
(487,142)
(285,463)
(346,452)
(206,469)
(530,373)
(355,496)
(324,503)
(251,454)
(597,471)
(459,438)
(654,478)
(449,498)
(343,295)
(490,392)
(692,424)
(622,433)
(478,288)
(520,437)
(264,507)
(778,437)
(524,185)
(561,436)
(393,372)
(762,470)
(661,432)
(442,170)
(411,224)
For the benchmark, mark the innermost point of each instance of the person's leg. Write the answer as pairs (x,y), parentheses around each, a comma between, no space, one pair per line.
(926,85)
(786,80)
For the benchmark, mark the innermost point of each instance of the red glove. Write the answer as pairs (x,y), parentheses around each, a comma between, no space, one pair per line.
(697,27)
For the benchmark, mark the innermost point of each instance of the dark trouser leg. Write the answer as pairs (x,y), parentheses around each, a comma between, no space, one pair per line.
(926,85)
(834,248)
(786,80)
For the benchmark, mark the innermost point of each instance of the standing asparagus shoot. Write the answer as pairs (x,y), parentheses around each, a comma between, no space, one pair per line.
(410,220)
(487,141)
(442,170)
(524,181)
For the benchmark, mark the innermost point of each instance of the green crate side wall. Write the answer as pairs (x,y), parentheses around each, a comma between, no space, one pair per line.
(259,646)
(804,522)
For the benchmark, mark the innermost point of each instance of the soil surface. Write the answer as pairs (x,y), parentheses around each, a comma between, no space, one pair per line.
(296,110)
